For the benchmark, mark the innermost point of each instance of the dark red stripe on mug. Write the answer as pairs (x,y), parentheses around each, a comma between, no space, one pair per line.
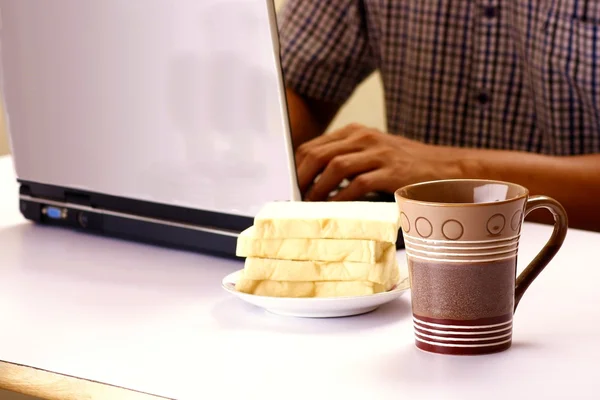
(462,351)
(472,322)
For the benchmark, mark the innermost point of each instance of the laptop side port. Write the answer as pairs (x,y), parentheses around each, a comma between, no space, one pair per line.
(56,213)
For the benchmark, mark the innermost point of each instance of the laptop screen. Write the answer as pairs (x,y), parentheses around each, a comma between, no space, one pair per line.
(178,102)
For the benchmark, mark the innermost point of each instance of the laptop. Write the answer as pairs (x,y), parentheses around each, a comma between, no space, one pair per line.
(162,121)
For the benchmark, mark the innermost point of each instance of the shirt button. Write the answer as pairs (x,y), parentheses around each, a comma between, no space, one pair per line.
(490,12)
(483,98)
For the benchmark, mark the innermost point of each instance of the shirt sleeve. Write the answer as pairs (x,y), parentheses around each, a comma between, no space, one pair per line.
(325,51)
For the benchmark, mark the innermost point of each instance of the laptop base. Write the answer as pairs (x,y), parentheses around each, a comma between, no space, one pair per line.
(157,224)
(161,225)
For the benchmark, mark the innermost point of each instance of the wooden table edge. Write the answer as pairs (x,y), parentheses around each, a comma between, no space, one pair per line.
(49,385)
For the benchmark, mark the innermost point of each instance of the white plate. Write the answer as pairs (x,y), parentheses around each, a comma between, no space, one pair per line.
(317,307)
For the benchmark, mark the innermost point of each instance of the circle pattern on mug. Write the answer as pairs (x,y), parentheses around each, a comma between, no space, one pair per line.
(515,222)
(405,223)
(452,229)
(495,224)
(423,227)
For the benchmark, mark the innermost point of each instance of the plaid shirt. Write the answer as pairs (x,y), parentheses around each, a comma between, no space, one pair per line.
(514,74)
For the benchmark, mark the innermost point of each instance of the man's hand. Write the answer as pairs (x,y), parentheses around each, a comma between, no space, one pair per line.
(371,160)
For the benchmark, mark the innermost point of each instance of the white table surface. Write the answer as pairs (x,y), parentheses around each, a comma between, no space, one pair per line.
(157,320)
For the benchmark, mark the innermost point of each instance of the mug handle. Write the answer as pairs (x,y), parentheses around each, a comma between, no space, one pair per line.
(536,266)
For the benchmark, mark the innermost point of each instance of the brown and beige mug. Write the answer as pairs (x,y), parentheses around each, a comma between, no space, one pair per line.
(462,239)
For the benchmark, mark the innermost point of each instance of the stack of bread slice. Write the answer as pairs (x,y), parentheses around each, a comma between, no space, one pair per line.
(320,249)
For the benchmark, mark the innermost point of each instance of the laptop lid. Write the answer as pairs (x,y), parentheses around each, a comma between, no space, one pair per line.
(177,102)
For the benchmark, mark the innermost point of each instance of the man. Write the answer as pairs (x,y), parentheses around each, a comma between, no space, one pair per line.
(506,90)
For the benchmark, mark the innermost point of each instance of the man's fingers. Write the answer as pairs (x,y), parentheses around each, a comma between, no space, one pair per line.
(341,167)
(305,149)
(361,185)
(318,158)
(344,132)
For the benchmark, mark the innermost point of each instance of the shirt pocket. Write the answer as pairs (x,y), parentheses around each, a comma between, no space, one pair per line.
(569,61)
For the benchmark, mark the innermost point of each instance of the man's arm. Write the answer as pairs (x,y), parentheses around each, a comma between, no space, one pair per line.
(376,161)
(574,181)
(309,118)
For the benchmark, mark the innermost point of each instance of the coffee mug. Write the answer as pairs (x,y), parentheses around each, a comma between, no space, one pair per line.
(462,239)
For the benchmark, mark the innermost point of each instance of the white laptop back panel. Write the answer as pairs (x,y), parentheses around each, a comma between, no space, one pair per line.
(178,102)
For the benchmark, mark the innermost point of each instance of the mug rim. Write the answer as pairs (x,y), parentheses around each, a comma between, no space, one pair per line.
(523,190)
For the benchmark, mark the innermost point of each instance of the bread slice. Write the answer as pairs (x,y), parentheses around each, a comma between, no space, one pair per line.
(309,289)
(314,289)
(377,221)
(315,271)
(354,250)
